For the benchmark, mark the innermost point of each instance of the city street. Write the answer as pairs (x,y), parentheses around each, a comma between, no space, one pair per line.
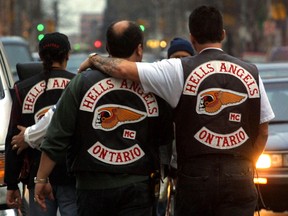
(229,100)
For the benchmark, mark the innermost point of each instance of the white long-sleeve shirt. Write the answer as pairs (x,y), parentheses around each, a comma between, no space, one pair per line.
(35,134)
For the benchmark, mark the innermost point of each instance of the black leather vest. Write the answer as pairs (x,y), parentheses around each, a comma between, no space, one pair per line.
(35,102)
(219,110)
(119,127)
(35,99)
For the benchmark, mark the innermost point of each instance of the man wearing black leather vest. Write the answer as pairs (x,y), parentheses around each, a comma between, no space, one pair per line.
(221,117)
(113,131)
(34,96)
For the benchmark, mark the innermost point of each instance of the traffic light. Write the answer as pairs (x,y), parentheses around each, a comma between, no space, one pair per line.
(40,31)
(97,44)
(143,24)
(77,47)
(142,27)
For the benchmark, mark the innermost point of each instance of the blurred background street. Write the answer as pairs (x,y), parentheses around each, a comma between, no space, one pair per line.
(256,31)
(252,29)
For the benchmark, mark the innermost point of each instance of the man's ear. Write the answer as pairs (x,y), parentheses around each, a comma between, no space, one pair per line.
(223,35)
(192,39)
(107,49)
(68,56)
(139,50)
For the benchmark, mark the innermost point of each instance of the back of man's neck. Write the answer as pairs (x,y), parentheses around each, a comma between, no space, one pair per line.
(201,47)
(58,66)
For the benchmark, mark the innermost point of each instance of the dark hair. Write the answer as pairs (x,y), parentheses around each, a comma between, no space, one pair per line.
(123,43)
(54,47)
(206,24)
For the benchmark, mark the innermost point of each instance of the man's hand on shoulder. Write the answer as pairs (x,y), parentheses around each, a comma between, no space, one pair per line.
(86,63)
(115,67)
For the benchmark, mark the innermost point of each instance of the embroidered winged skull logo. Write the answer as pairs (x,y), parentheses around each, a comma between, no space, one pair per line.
(213,101)
(41,113)
(111,116)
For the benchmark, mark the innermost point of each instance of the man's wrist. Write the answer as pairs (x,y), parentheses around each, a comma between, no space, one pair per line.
(90,60)
(41,180)
(26,137)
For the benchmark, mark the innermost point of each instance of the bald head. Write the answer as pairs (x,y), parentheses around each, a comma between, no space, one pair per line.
(120,26)
(123,37)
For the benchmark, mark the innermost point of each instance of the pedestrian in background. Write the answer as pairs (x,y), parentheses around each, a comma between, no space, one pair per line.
(113,131)
(34,96)
(221,118)
(179,48)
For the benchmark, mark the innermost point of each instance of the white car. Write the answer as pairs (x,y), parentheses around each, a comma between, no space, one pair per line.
(17,50)
(6,84)
(272,167)
(13,50)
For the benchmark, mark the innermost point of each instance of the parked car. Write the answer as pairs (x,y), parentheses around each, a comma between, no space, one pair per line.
(273,69)
(6,84)
(278,54)
(254,57)
(272,166)
(17,51)
(75,60)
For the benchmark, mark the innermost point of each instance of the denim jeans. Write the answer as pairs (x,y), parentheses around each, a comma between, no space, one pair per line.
(216,186)
(65,200)
(131,200)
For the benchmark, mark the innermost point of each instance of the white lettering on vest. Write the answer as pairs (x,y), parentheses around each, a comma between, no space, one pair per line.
(104,86)
(221,141)
(199,74)
(116,157)
(38,89)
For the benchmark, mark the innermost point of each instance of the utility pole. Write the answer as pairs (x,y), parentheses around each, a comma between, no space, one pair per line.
(56,13)
(157,19)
